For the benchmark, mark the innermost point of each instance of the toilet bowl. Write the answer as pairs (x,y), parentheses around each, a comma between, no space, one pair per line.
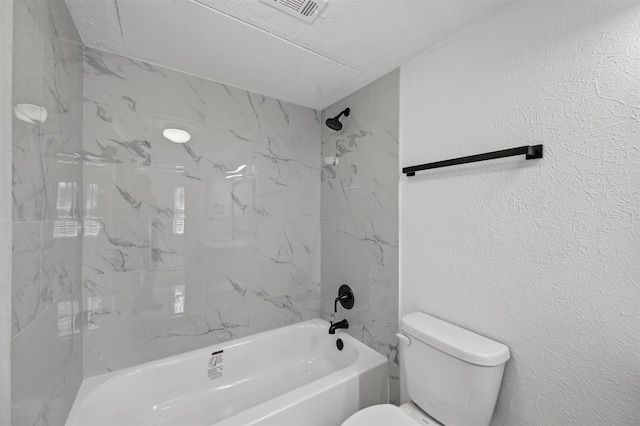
(390,415)
(452,376)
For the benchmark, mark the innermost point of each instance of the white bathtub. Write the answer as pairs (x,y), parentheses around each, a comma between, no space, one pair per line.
(293,375)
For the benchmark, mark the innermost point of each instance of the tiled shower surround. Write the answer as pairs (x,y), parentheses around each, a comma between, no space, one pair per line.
(360,216)
(128,247)
(46,344)
(187,245)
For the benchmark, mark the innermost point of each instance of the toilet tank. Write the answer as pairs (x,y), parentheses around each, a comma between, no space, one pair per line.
(453,374)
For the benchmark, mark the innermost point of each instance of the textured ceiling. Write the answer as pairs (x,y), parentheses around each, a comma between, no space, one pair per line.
(352,43)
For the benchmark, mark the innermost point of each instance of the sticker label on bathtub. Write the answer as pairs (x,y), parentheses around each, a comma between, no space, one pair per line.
(215,365)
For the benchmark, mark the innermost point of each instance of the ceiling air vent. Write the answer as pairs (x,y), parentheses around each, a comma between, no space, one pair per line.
(306,10)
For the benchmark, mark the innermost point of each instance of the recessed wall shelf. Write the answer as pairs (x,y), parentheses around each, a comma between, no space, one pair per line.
(530,151)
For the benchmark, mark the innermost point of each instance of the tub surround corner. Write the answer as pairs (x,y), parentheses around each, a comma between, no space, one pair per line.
(46,202)
(360,216)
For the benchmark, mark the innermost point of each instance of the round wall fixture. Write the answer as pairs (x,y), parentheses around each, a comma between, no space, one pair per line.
(30,113)
(345,296)
(177,135)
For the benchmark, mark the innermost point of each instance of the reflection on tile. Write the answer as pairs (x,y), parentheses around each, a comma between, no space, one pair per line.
(188,245)
(109,350)
(210,151)
(115,246)
(46,262)
(125,191)
(27,69)
(219,240)
(45,189)
(46,210)
(112,300)
(167,243)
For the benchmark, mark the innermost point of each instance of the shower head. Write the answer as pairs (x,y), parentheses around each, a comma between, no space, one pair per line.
(334,123)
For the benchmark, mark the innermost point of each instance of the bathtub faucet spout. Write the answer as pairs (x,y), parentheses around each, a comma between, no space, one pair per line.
(340,324)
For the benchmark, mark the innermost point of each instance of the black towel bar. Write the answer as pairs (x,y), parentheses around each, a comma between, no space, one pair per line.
(531,152)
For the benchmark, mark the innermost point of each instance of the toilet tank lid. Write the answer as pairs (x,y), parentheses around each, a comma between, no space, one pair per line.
(455,341)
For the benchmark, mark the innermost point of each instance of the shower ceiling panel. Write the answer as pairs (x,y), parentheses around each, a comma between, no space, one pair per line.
(240,54)
(256,47)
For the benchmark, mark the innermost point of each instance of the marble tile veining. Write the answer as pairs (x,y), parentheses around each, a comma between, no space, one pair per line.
(187,245)
(372,240)
(120,245)
(116,135)
(46,266)
(47,194)
(47,156)
(132,85)
(359,237)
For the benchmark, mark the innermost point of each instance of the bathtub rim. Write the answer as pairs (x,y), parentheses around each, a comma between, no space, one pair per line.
(367,359)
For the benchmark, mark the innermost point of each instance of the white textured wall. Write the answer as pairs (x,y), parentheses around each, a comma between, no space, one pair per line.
(541,255)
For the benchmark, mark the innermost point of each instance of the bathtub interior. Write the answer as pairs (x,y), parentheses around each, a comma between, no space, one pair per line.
(256,369)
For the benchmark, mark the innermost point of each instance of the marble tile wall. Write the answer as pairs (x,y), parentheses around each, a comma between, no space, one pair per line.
(46,344)
(6,112)
(359,220)
(188,245)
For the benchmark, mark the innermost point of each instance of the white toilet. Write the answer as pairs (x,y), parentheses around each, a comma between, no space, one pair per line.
(452,375)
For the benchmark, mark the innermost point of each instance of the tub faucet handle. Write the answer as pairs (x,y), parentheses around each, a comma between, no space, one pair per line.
(345,297)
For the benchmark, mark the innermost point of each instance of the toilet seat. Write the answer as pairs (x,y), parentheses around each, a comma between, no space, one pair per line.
(380,415)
